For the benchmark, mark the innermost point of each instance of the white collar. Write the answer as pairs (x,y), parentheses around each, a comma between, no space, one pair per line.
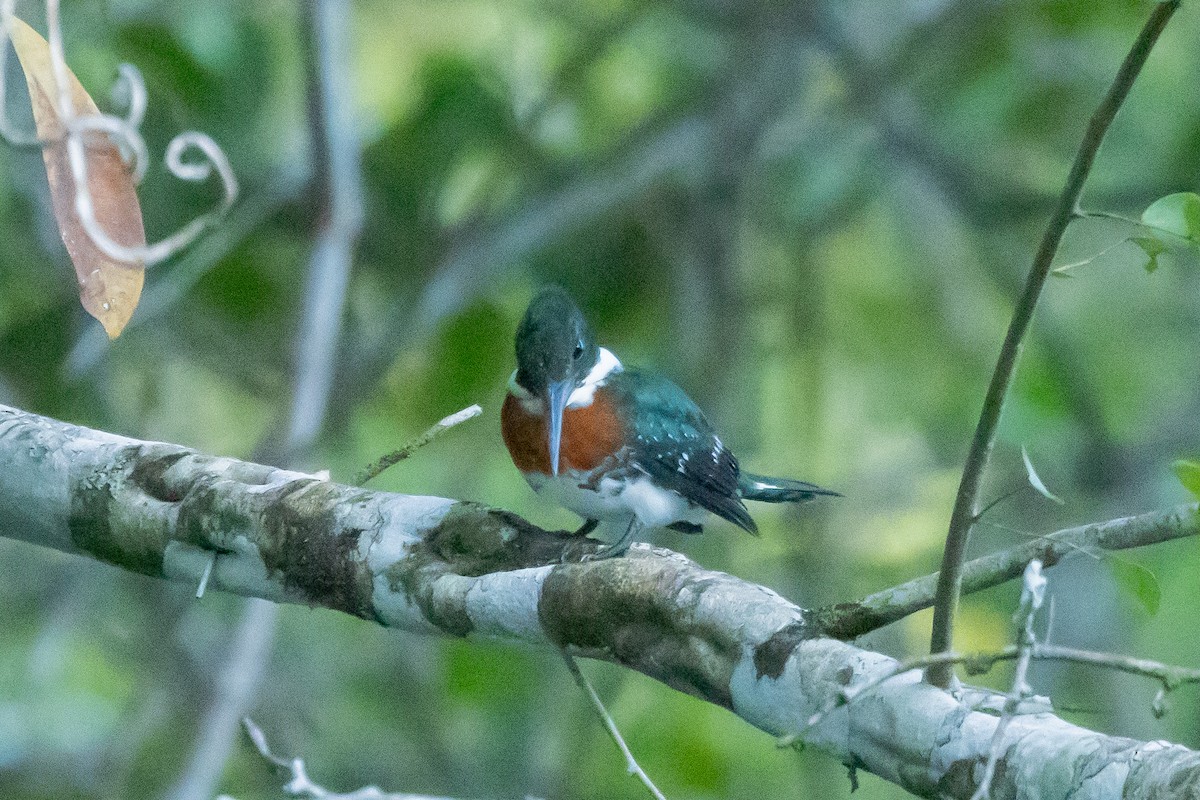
(606,365)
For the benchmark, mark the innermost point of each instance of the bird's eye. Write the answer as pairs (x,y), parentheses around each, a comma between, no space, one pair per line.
(578,349)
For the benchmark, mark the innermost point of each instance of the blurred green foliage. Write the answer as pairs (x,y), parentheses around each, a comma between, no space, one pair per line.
(814,216)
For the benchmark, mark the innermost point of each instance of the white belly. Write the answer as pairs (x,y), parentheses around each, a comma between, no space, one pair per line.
(617,499)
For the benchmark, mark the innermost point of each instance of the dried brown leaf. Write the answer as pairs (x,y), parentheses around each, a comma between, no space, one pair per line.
(109,289)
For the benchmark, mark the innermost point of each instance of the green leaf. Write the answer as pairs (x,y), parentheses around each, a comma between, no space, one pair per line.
(1188,473)
(1176,213)
(1152,247)
(1138,581)
(1035,481)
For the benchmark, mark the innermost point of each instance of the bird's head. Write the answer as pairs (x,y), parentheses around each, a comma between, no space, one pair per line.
(555,353)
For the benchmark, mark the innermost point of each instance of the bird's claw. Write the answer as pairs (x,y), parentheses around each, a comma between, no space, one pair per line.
(604,552)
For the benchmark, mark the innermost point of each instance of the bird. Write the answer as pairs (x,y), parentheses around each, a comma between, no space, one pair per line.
(616,444)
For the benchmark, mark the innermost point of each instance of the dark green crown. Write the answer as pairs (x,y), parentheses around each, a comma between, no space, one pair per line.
(554,342)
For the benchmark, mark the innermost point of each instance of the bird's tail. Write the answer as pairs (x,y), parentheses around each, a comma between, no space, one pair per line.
(778,490)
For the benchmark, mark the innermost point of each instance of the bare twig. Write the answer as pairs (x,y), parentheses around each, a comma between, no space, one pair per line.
(1032,595)
(950,580)
(300,785)
(212,562)
(396,456)
(1064,270)
(631,765)
(847,620)
(1169,676)
(1011,493)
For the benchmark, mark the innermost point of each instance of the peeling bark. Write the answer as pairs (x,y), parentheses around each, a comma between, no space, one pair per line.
(441,566)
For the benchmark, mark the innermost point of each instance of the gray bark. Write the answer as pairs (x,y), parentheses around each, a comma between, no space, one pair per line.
(456,568)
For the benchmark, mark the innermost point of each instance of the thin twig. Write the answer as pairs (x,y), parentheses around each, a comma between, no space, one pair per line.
(631,765)
(1064,270)
(961,519)
(1032,595)
(1110,215)
(204,576)
(848,620)
(1011,493)
(395,457)
(300,785)
(1169,676)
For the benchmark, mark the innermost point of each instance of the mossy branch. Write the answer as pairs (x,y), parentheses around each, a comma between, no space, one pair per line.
(459,569)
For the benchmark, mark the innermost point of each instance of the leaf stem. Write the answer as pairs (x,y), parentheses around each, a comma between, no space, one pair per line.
(1111,215)
(963,515)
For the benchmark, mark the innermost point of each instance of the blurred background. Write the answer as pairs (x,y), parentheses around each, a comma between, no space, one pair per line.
(814,216)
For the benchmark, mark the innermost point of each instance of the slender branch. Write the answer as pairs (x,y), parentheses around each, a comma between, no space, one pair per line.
(1028,649)
(1032,596)
(610,725)
(1170,676)
(396,456)
(961,519)
(300,785)
(1110,215)
(1064,271)
(848,620)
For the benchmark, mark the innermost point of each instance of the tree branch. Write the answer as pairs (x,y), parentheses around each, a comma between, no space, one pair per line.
(962,519)
(848,620)
(460,569)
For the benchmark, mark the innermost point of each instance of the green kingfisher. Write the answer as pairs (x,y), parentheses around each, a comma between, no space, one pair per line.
(615,444)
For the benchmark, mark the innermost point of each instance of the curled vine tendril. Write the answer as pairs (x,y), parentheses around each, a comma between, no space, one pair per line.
(124,132)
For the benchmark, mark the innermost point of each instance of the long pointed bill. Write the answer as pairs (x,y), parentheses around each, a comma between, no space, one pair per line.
(557,393)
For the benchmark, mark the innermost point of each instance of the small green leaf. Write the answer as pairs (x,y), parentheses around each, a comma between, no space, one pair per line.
(1176,213)
(1138,581)
(1188,473)
(1035,481)
(1152,247)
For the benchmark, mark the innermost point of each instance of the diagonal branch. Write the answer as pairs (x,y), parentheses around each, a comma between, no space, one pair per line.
(848,620)
(962,519)
(460,569)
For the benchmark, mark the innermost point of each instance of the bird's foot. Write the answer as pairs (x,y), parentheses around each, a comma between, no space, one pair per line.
(606,552)
(617,548)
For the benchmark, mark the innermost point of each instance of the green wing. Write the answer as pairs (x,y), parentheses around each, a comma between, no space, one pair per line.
(678,449)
